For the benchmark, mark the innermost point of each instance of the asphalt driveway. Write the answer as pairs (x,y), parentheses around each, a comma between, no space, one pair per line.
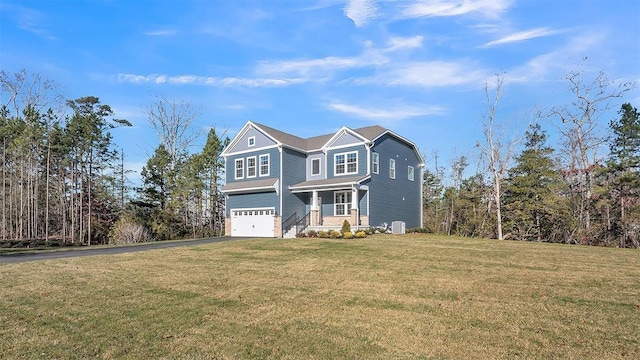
(48,255)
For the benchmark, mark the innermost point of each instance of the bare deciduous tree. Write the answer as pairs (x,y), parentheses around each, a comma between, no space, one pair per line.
(581,130)
(498,148)
(171,120)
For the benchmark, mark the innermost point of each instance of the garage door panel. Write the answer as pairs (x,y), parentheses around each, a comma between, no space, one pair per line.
(252,222)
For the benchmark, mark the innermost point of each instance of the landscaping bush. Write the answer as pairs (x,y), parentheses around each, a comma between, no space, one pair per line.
(335,234)
(361,235)
(323,234)
(346,227)
(347,235)
(312,233)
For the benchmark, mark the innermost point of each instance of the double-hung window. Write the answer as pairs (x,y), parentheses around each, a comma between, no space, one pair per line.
(251,167)
(410,173)
(239,168)
(264,165)
(342,203)
(346,163)
(392,168)
(376,163)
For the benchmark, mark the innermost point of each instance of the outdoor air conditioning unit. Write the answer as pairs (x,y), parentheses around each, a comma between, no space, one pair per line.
(397,227)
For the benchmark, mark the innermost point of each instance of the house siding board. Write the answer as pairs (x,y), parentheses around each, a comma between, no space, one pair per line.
(293,172)
(322,174)
(362,160)
(395,199)
(274,165)
(243,145)
(346,139)
(249,201)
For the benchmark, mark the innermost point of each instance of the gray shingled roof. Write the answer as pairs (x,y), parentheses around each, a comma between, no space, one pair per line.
(328,182)
(248,185)
(316,142)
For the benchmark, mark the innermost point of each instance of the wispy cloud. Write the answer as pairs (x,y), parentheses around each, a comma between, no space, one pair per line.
(361,11)
(522,36)
(555,62)
(396,113)
(29,20)
(161,32)
(434,8)
(398,43)
(431,74)
(208,80)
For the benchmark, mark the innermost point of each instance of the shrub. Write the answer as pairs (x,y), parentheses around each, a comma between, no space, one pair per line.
(335,234)
(347,235)
(323,234)
(361,235)
(312,233)
(125,231)
(346,227)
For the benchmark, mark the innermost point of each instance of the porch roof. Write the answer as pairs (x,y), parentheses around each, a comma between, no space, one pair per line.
(261,185)
(328,184)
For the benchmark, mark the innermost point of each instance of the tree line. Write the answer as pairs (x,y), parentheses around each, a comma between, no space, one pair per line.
(584,191)
(64,181)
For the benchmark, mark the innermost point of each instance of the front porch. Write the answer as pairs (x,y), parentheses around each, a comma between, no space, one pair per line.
(332,201)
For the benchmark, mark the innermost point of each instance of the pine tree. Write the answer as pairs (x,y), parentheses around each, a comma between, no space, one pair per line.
(623,170)
(534,207)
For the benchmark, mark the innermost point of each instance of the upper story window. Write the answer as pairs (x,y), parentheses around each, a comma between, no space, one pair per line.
(392,168)
(251,141)
(251,166)
(239,168)
(264,165)
(346,163)
(315,167)
(410,173)
(376,163)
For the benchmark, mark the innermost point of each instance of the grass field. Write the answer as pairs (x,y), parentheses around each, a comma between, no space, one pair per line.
(411,296)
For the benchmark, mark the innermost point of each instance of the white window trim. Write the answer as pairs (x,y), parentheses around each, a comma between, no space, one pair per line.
(347,203)
(376,163)
(346,167)
(319,167)
(255,164)
(268,164)
(392,168)
(251,141)
(235,169)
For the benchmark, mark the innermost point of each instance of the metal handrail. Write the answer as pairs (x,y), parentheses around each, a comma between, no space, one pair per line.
(290,222)
(303,223)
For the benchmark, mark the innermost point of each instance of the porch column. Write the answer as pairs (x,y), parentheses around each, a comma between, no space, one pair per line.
(315,211)
(355,218)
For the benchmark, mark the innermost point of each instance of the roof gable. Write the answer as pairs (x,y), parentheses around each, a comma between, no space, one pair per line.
(342,137)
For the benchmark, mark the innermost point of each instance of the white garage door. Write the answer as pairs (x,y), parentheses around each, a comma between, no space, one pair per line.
(252,222)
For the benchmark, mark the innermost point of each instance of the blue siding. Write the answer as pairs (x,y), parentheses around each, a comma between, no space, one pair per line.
(362,160)
(346,139)
(257,200)
(274,165)
(323,171)
(293,172)
(261,141)
(399,198)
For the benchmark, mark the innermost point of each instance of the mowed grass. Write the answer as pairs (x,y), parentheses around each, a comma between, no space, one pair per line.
(411,296)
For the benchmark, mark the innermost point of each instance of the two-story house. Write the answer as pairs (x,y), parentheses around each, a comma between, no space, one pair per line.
(276,181)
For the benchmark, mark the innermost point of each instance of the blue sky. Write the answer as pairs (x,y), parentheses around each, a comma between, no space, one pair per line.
(417,67)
